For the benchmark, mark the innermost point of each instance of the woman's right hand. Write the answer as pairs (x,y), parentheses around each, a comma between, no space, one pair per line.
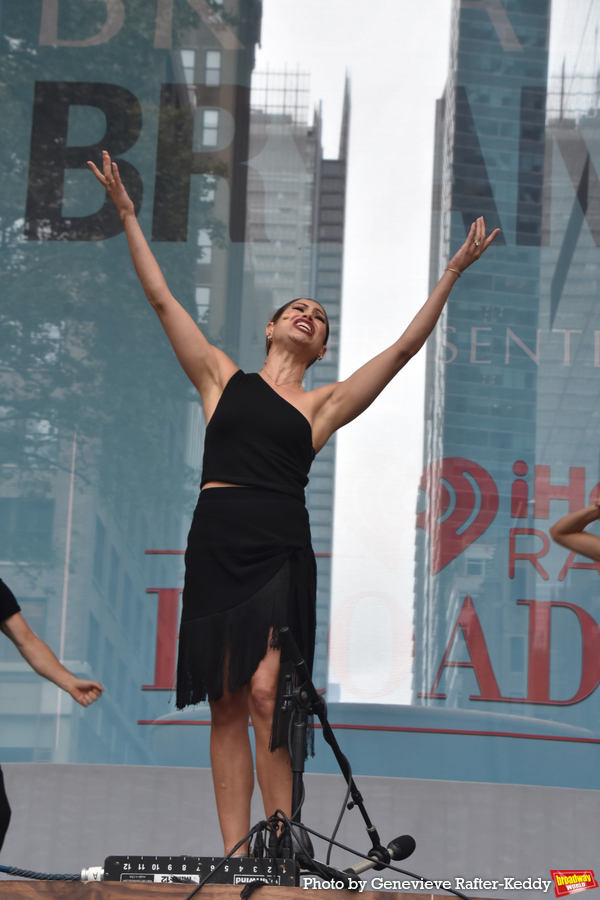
(111,180)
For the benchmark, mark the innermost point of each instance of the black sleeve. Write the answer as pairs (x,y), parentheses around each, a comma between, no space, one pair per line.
(8,602)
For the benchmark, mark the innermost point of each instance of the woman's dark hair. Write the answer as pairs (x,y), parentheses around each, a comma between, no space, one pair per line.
(279,312)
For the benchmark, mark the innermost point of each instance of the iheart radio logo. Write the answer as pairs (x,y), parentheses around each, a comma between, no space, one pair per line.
(463,502)
(572,880)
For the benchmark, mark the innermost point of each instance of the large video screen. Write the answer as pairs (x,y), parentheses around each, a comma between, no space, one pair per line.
(274,151)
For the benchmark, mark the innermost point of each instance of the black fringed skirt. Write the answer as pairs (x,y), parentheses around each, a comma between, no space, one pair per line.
(249,570)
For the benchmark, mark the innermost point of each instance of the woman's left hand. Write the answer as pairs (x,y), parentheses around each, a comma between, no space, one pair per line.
(475,244)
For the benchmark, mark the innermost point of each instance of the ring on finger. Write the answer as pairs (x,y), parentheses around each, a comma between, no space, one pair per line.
(477,243)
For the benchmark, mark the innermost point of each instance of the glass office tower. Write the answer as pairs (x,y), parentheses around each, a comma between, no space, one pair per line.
(505,620)
(295,242)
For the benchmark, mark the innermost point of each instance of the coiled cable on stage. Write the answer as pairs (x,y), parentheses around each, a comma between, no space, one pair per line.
(37,876)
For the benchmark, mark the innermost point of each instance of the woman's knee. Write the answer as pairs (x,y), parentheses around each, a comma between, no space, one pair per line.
(263,692)
(230,710)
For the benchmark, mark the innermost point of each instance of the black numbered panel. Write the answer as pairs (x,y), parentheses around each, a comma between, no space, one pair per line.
(190,869)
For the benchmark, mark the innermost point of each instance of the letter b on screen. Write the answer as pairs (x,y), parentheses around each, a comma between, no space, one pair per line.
(50,157)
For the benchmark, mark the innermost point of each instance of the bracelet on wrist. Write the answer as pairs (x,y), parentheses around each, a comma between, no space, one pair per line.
(450,269)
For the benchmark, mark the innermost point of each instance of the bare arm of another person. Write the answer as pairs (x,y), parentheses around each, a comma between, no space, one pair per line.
(569,531)
(43,661)
(344,401)
(207,367)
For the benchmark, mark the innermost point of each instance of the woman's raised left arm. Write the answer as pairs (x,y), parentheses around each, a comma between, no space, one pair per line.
(348,399)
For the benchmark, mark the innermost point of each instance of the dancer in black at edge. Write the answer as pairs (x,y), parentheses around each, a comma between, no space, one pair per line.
(43,661)
(249,565)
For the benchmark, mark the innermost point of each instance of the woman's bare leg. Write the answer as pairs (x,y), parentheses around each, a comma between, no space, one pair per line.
(232,768)
(273,770)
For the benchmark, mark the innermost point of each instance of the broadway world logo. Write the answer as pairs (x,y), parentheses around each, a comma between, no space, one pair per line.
(570,881)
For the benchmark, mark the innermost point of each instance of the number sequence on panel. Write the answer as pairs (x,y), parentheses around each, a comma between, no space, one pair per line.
(190,869)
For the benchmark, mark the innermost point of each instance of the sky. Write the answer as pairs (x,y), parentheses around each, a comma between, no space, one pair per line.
(573,55)
(396,53)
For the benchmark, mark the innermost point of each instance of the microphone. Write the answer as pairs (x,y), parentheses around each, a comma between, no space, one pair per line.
(400,848)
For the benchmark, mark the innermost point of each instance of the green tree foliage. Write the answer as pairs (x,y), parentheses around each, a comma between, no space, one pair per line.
(80,349)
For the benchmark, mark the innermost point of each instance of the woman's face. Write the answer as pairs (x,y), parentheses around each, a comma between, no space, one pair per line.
(304,322)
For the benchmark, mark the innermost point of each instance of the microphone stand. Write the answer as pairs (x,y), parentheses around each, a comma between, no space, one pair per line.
(307,701)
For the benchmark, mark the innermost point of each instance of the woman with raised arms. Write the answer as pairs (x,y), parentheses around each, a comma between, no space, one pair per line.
(250,568)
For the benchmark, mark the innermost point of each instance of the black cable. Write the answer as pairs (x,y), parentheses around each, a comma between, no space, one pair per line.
(364,856)
(225,859)
(269,827)
(301,804)
(37,876)
(296,811)
(292,722)
(321,869)
(339,821)
(255,883)
(290,726)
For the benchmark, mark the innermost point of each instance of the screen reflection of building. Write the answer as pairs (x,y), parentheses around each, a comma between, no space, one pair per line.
(90,481)
(512,399)
(245,214)
(295,234)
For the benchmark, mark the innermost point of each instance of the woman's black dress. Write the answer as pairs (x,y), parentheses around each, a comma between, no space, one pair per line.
(250,567)
(8,607)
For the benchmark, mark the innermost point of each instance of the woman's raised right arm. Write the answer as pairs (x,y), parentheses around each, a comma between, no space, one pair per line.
(207,367)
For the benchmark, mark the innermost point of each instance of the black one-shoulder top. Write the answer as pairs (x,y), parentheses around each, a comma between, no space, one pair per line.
(256,438)
(8,602)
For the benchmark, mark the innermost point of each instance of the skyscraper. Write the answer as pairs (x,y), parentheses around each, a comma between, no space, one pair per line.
(295,234)
(506,622)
